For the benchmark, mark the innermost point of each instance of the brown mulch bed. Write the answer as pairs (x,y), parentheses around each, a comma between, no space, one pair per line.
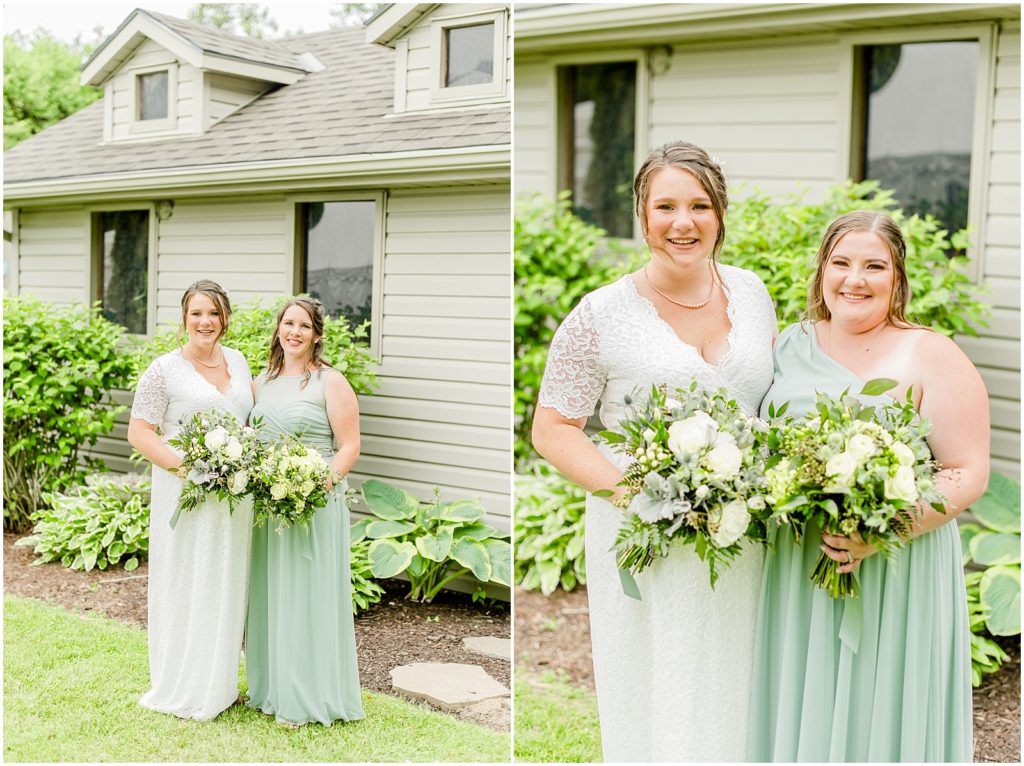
(391,633)
(553,635)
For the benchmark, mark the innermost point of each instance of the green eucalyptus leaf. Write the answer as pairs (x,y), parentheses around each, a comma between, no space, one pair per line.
(878,386)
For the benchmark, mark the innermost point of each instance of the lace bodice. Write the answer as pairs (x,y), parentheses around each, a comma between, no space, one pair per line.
(171,390)
(614,344)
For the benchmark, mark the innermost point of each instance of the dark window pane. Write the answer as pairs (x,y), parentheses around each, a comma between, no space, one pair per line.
(125,268)
(338,257)
(470,55)
(919,125)
(598,126)
(152,96)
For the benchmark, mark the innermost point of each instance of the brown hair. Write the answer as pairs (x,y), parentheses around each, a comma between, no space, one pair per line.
(887,230)
(685,156)
(275,359)
(215,293)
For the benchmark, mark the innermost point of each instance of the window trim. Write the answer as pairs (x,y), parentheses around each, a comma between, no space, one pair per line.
(463,95)
(93,272)
(137,126)
(850,114)
(293,253)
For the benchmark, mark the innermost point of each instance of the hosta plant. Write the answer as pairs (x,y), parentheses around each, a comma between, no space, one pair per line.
(432,543)
(365,591)
(101,523)
(549,530)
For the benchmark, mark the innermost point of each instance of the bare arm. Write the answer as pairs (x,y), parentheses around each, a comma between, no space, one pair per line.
(343,414)
(143,436)
(562,442)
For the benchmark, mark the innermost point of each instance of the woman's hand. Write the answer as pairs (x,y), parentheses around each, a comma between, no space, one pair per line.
(848,551)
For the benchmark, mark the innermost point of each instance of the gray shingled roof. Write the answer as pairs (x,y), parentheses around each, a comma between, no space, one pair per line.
(333,113)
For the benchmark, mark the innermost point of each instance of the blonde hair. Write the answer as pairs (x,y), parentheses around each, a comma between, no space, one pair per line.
(215,293)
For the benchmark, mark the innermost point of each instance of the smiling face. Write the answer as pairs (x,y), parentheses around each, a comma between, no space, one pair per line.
(203,321)
(295,333)
(682,226)
(857,280)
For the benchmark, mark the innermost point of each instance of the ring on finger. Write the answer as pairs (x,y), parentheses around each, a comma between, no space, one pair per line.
(849,557)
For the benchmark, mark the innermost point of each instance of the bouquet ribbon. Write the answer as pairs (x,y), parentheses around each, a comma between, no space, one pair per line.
(629,586)
(852,622)
(175,517)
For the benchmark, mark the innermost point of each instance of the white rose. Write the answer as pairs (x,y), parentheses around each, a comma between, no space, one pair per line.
(724,460)
(755,503)
(233,449)
(277,491)
(216,439)
(861,446)
(649,435)
(686,437)
(702,491)
(306,488)
(239,481)
(728,524)
(902,486)
(723,437)
(841,469)
(672,404)
(903,453)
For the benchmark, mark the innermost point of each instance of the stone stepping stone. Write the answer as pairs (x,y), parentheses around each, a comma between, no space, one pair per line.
(447,685)
(488,646)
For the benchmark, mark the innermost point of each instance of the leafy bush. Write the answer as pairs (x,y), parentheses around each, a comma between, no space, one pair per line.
(994,592)
(433,543)
(365,592)
(250,330)
(95,525)
(549,530)
(59,362)
(779,238)
(557,261)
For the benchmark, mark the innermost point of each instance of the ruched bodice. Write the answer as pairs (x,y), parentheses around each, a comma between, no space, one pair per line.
(286,406)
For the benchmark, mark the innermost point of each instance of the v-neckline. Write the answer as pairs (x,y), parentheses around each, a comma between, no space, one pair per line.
(728,311)
(859,378)
(231,378)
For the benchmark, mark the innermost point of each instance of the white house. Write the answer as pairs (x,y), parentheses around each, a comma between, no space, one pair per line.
(370,166)
(923,97)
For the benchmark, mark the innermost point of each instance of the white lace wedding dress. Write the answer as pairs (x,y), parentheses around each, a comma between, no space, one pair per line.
(199,570)
(672,671)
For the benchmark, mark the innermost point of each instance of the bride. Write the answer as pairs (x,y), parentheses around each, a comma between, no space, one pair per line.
(672,670)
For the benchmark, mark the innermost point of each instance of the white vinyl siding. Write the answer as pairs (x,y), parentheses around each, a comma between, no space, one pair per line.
(534,115)
(186,85)
(225,95)
(53,252)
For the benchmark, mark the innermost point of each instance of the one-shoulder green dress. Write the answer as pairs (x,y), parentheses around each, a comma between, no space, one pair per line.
(300,649)
(886,677)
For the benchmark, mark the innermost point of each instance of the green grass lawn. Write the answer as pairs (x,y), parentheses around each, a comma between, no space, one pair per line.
(72,685)
(556,723)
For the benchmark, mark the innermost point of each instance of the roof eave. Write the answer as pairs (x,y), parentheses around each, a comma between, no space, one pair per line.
(393,21)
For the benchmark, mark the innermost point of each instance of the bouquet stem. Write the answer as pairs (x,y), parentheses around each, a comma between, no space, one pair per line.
(826,576)
(634,558)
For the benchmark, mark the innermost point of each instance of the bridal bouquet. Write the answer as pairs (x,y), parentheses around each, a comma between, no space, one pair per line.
(696,476)
(291,483)
(220,457)
(854,469)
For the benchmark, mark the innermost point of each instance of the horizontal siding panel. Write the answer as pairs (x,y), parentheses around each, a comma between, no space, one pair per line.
(770,138)
(29,277)
(447,328)
(468,221)
(223,242)
(1002,383)
(469,479)
(225,212)
(1002,230)
(1004,200)
(1003,292)
(1006,444)
(239,279)
(991,352)
(448,264)
(1006,105)
(1002,261)
(442,412)
(453,286)
(450,242)
(44,261)
(1006,135)
(169,300)
(1002,323)
(61,296)
(798,165)
(793,110)
(497,505)
(1005,167)
(1005,414)
(405,448)
(446,391)
(443,433)
(472,307)
(1009,468)
(200,263)
(1008,72)
(433,369)
(435,201)
(456,350)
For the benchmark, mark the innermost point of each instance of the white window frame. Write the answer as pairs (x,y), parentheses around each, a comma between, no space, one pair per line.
(462,95)
(293,261)
(137,126)
(985,35)
(93,289)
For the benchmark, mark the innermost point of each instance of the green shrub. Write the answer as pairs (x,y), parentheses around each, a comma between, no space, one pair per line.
(433,543)
(778,239)
(557,261)
(249,332)
(59,362)
(365,592)
(549,530)
(100,523)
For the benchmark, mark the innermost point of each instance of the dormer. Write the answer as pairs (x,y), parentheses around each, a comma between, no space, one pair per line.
(446,55)
(165,77)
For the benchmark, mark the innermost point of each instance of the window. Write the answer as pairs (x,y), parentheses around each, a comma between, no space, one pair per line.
(337,249)
(121,267)
(597,125)
(151,98)
(467,64)
(916,123)
(469,55)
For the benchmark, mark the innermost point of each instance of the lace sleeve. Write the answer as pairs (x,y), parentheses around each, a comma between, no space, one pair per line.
(573,378)
(151,398)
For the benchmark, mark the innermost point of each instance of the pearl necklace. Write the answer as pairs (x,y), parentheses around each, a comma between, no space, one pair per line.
(700,305)
(210,366)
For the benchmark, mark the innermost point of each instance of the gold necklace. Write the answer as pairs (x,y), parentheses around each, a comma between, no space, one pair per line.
(700,305)
(210,366)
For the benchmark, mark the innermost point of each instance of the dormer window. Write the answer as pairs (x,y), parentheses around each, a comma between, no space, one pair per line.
(151,97)
(153,94)
(468,58)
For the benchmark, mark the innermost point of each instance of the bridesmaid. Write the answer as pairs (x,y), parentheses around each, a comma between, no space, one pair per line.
(198,571)
(886,677)
(300,639)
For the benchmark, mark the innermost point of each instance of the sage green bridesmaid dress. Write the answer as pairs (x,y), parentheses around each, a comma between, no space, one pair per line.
(300,649)
(882,678)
